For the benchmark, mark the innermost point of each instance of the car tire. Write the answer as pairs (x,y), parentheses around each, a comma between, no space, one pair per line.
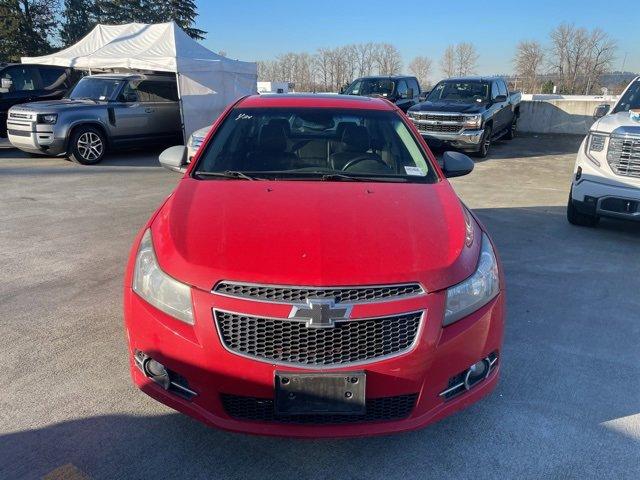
(485,143)
(581,219)
(87,146)
(511,133)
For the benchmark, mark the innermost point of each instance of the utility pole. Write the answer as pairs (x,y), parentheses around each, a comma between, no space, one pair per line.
(624,60)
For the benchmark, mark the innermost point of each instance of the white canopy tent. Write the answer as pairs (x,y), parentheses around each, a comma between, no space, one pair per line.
(207,82)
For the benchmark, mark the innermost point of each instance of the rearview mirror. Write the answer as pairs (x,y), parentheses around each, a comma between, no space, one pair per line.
(601,111)
(456,164)
(174,158)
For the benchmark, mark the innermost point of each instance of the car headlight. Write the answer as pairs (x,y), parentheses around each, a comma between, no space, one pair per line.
(156,287)
(472,121)
(48,118)
(594,147)
(477,290)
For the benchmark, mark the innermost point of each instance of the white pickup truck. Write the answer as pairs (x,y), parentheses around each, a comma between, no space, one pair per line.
(606,177)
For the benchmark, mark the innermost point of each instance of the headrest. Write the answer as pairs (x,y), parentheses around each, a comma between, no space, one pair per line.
(281,122)
(355,138)
(340,128)
(273,138)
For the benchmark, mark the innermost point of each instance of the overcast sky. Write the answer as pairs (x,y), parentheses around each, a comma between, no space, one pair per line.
(260,30)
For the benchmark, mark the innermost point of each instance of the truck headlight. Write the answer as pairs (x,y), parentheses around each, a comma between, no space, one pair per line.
(594,147)
(156,287)
(472,121)
(477,290)
(48,118)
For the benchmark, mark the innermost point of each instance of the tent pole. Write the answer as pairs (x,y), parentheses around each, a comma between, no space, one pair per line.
(184,136)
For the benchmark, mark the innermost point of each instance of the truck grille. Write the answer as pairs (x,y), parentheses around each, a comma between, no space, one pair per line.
(262,410)
(19,133)
(20,115)
(286,294)
(292,342)
(624,156)
(432,127)
(437,117)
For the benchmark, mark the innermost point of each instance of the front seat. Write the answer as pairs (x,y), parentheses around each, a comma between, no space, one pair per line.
(355,143)
(271,153)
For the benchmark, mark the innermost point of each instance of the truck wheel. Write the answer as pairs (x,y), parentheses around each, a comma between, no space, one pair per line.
(485,143)
(581,219)
(87,146)
(511,134)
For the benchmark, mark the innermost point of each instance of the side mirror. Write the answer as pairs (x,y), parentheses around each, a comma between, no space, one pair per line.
(601,111)
(500,99)
(174,158)
(456,164)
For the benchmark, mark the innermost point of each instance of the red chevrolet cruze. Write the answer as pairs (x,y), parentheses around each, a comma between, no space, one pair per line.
(314,275)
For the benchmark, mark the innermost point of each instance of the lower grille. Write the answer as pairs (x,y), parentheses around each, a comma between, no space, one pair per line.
(19,133)
(283,340)
(624,156)
(428,127)
(262,410)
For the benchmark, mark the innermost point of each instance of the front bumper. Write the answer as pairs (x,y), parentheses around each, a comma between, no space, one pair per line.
(197,354)
(32,137)
(598,191)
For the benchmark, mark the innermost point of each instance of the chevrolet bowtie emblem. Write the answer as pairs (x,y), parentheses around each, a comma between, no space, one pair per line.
(320,312)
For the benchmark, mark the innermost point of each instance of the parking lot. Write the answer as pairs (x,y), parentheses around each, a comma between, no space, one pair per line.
(567,406)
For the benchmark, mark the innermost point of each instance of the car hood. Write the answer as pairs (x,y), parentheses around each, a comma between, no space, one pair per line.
(53,106)
(314,233)
(611,123)
(447,106)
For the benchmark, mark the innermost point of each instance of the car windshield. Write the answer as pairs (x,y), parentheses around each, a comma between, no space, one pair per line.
(95,88)
(332,145)
(474,91)
(371,86)
(630,99)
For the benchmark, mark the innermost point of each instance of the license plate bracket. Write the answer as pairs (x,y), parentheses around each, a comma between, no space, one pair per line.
(340,393)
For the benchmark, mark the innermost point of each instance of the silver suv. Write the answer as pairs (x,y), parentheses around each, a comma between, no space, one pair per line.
(105,111)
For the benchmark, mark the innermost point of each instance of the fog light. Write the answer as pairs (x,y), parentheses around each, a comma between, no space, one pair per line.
(156,372)
(476,373)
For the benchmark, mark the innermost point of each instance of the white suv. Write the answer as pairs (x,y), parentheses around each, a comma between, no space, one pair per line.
(606,181)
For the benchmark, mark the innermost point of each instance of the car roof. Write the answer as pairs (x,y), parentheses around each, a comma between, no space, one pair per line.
(472,79)
(132,76)
(315,100)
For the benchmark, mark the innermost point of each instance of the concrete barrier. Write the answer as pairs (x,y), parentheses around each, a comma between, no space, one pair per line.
(571,114)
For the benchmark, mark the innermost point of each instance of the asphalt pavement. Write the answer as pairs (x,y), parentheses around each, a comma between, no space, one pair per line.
(567,406)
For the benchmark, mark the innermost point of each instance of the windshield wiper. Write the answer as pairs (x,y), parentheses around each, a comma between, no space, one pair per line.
(229,174)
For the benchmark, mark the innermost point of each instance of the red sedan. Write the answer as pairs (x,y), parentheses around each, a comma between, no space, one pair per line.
(314,275)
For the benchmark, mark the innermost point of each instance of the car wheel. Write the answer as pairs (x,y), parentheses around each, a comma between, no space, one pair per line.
(511,134)
(88,146)
(577,218)
(485,143)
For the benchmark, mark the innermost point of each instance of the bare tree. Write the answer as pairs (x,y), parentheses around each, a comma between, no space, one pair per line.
(528,62)
(421,68)
(388,59)
(600,56)
(448,61)
(466,59)
(365,58)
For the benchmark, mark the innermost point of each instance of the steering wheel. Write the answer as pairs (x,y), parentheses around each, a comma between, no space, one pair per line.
(363,158)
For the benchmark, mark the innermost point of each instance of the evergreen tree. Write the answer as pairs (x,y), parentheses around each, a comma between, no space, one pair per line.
(183,12)
(26,27)
(78,18)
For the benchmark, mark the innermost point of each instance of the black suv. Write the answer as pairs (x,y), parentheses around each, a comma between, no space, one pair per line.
(21,83)
(401,90)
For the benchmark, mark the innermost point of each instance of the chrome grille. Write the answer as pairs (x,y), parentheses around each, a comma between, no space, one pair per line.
(286,294)
(262,410)
(624,156)
(282,340)
(439,117)
(22,116)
